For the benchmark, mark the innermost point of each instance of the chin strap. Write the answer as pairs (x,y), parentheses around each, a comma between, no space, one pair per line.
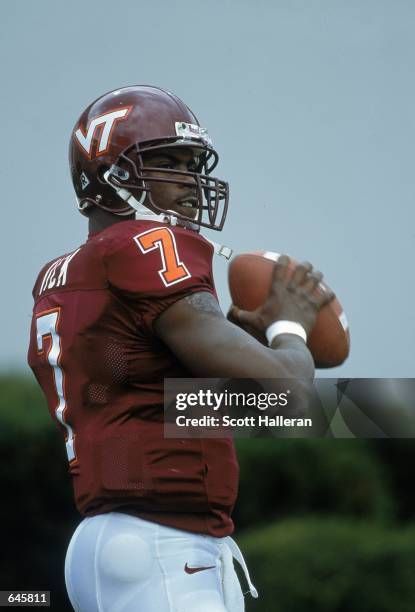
(145,214)
(126,195)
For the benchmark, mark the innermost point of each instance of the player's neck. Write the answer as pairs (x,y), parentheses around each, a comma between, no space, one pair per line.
(101,219)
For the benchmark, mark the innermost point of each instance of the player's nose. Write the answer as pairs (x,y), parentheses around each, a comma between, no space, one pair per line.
(185,178)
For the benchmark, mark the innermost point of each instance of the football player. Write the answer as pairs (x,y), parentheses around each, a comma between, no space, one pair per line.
(133,305)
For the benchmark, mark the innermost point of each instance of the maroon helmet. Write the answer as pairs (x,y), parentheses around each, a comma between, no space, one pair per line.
(106,155)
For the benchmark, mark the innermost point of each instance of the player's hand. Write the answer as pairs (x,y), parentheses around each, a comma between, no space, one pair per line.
(289,299)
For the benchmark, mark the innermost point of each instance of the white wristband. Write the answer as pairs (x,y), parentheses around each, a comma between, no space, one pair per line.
(284,327)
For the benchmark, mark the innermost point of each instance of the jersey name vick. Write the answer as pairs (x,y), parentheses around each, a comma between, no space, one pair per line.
(99,129)
(56,274)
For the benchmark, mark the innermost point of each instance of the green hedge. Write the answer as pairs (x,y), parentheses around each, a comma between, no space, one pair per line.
(398,457)
(322,565)
(280,477)
(22,406)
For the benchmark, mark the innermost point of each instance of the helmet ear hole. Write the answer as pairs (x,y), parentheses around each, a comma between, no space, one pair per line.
(119,174)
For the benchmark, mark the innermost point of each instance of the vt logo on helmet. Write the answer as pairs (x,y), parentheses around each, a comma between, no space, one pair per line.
(112,138)
(106,121)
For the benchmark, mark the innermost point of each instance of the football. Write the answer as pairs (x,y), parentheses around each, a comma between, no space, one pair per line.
(249,277)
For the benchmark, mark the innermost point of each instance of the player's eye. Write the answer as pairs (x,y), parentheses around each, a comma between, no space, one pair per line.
(164,165)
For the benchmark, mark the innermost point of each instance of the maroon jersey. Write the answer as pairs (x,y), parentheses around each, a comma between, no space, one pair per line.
(101,367)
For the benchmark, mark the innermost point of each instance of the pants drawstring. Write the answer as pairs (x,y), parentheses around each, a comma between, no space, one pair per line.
(236,553)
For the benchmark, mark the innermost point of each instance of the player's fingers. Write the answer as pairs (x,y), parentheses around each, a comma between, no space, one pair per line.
(301,273)
(312,281)
(280,268)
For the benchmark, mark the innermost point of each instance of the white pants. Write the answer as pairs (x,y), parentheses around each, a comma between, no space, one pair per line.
(119,563)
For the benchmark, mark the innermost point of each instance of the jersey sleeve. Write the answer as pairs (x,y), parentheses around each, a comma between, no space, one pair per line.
(155,267)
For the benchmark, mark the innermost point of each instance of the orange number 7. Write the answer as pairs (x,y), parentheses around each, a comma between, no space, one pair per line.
(162,238)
